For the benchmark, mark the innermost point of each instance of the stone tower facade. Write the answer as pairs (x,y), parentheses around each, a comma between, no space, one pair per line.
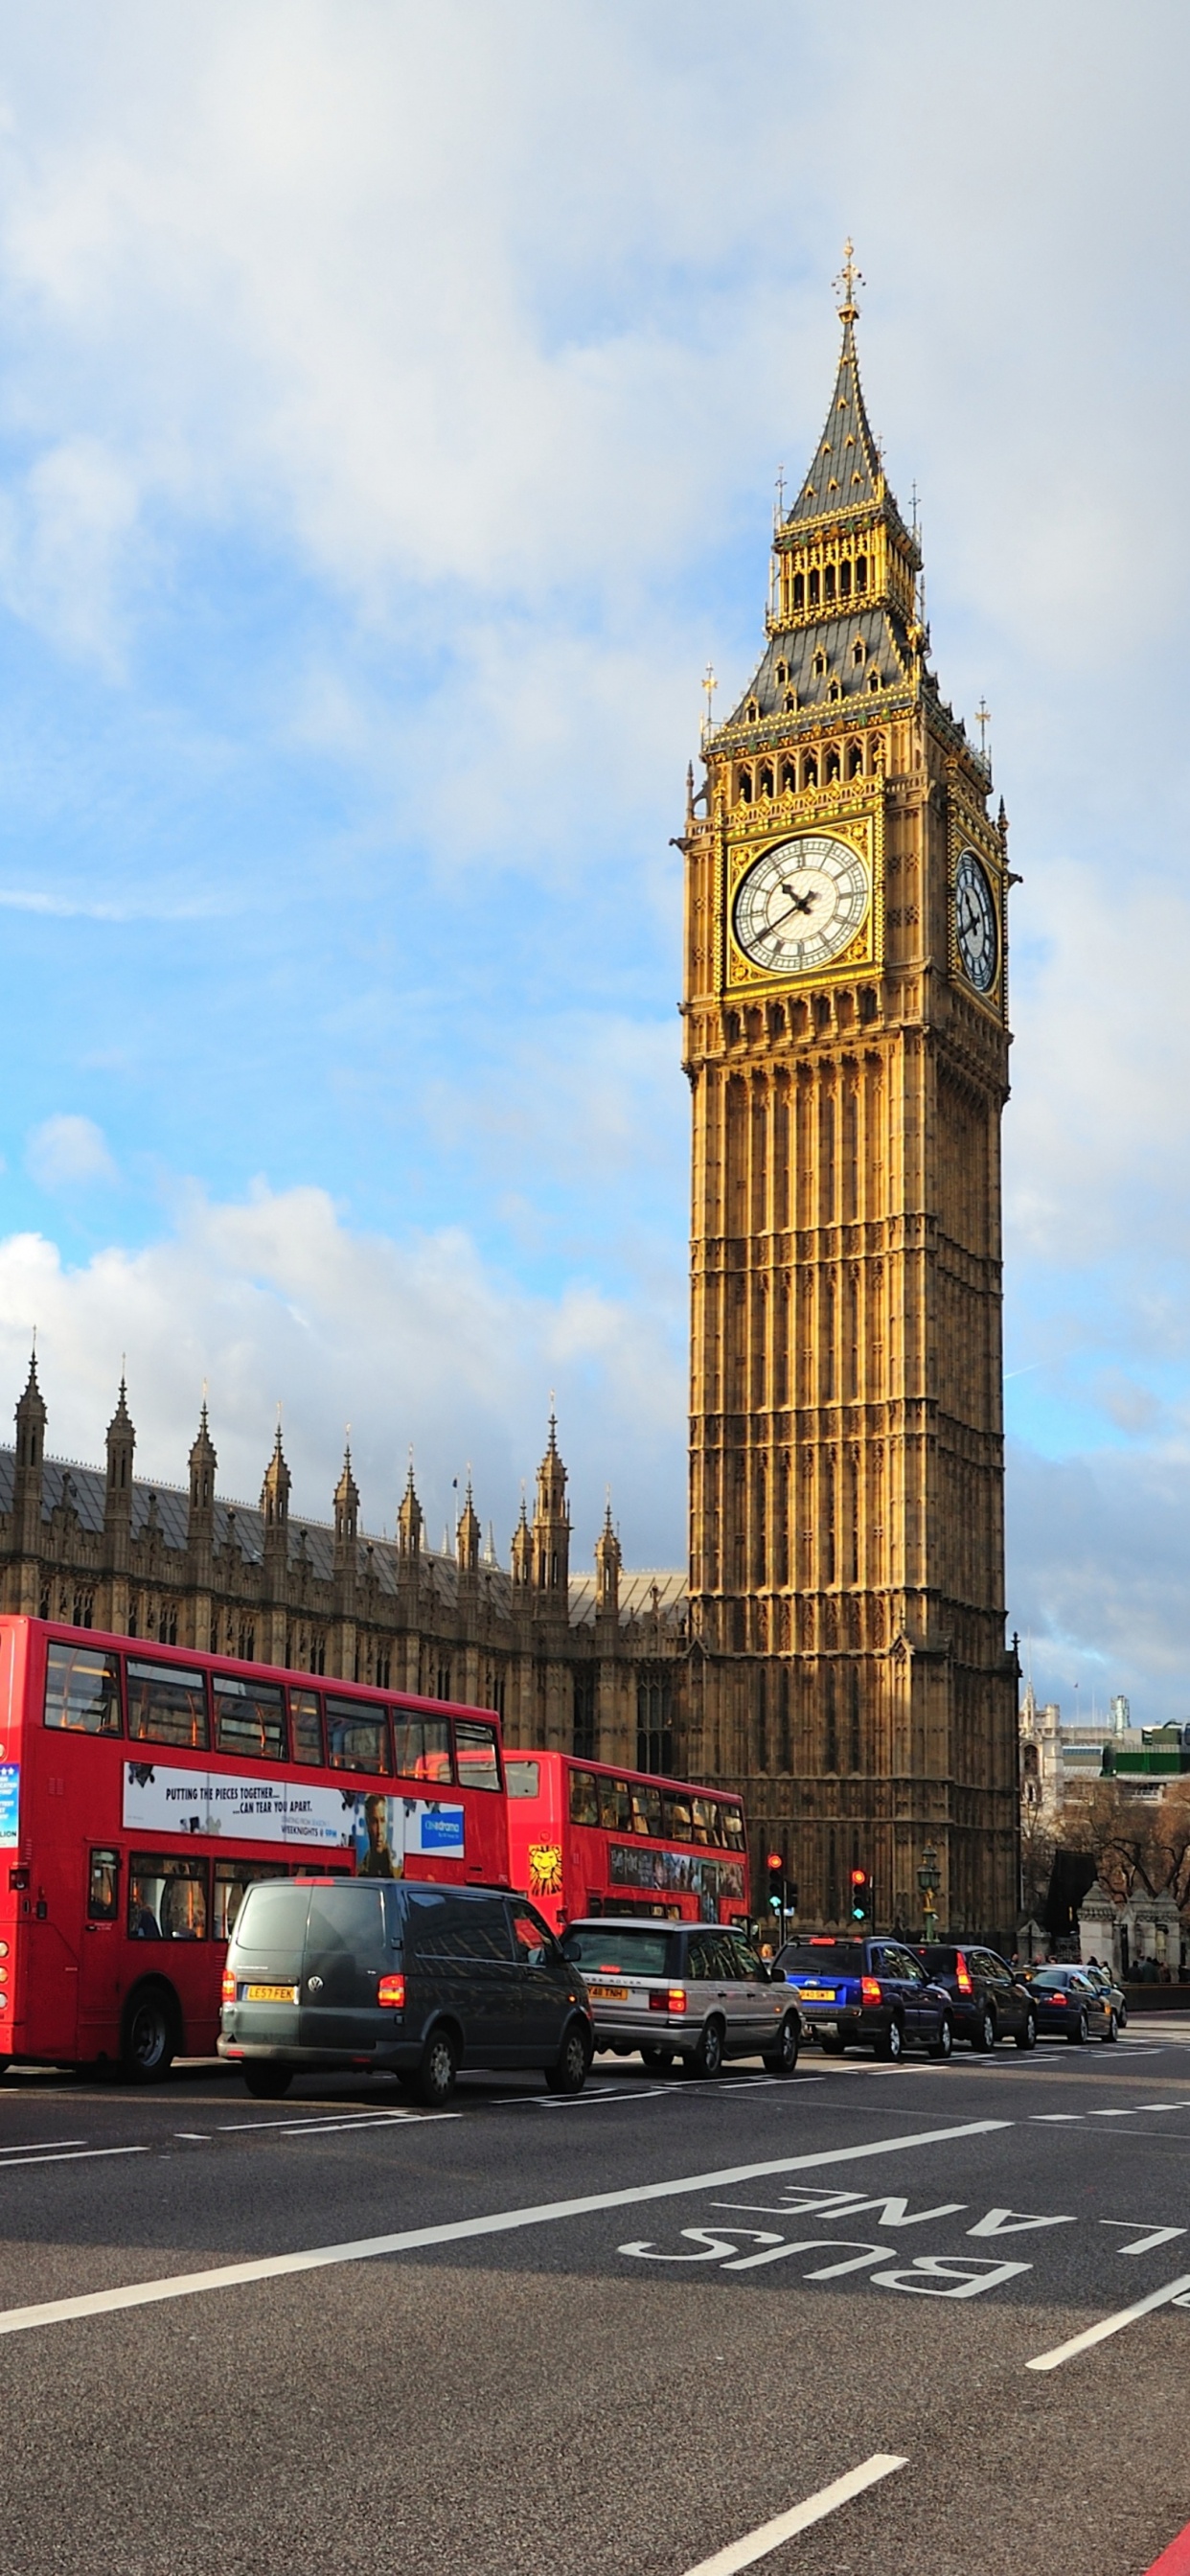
(846,1041)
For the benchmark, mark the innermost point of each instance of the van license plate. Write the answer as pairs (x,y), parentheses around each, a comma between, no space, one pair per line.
(270,1994)
(608,1994)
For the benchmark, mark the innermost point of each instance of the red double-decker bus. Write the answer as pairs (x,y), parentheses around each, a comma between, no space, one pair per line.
(584,1838)
(142,1789)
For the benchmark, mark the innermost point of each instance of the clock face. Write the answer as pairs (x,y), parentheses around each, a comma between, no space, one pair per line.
(800,904)
(975,928)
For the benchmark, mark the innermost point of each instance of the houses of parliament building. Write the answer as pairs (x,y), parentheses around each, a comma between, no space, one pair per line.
(836,1649)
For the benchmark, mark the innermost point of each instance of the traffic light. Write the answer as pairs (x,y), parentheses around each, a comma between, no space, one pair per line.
(861,1895)
(776,1881)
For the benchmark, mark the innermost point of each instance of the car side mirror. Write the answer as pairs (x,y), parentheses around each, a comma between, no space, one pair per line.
(777,1976)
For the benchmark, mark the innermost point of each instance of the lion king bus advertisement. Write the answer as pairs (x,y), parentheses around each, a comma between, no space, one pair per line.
(585,1838)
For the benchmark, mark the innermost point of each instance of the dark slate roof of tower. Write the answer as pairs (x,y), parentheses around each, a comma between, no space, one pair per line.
(832,639)
(845,472)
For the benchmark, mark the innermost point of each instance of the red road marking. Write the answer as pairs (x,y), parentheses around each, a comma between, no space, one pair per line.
(1174,2561)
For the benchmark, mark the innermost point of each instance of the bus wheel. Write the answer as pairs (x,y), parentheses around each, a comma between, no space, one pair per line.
(265,2079)
(148,2036)
(5,2063)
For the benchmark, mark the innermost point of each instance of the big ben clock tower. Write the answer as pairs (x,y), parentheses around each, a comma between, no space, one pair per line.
(846,1040)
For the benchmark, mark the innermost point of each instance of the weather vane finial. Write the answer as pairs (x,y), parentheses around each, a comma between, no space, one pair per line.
(848,279)
(709,686)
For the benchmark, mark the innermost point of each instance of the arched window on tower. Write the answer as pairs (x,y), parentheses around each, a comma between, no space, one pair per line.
(744,787)
(799,591)
(791,702)
(828,582)
(834,765)
(810,770)
(782,674)
(753,711)
(844,581)
(877,755)
(873,681)
(814,589)
(833,692)
(819,665)
(857,651)
(788,778)
(766,780)
(855,759)
(861,572)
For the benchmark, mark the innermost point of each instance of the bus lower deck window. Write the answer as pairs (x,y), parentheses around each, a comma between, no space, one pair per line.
(167,1897)
(103,1887)
(82,1689)
(233,1878)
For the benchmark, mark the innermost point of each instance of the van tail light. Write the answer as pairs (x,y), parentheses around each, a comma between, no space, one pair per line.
(391,1991)
(869,1988)
(962,1975)
(229,1986)
(668,1999)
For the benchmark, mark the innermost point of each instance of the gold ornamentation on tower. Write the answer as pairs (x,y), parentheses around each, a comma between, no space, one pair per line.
(846,1042)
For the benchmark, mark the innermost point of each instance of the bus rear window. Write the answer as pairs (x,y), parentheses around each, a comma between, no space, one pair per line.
(166,1705)
(423,1747)
(82,1690)
(584,1798)
(522,1779)
(356,1736)
(249,1719)
(475,1754)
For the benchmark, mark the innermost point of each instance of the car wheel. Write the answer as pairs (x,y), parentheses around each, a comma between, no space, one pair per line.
(570,2073)
(1027,2038)
(1112,2032)
(266,2081)
(782,2059)
(985,2037)
(892,2043)
(1078,2030)
(707,2059)
(1122,2016)
(943,2046)
(434,2081)
(147,2037)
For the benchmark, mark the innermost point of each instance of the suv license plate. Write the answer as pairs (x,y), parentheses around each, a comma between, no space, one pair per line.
(608,1994)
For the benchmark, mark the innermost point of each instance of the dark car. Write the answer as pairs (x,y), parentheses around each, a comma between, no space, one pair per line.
(694,1991)
(413,1980)
(987,1998)
(1106,1983)
(1069,2006)
(871,1990)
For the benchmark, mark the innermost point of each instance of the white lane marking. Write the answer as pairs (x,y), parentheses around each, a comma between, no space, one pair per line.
(1125,2111)
(590,2101)
(195,2137)
(1109,2326)
(1047,2119)
(1151,2237)
(785,2526)
(315,2258)
(74,2156)
(37,2146)
(355,2120)
(1163,2106)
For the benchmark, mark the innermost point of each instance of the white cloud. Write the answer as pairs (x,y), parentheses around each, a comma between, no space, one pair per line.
(67,1153)
(420,1342)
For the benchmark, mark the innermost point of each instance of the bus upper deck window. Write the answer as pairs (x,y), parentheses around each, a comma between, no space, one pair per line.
(422,1747)
(249,1718)
(305,1719)
(646,1810)
(703,1820)
(522,1779)
(733,1828)
(584,1798)
(82,1689)
(166,1704)
(356,1736)
(615,1805)
(475,1754)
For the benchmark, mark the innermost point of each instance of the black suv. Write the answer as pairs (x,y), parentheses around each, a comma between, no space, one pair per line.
(872,1989)
(413,1980)
(988,2001)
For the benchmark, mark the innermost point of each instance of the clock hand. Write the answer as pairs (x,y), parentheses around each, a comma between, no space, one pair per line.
(799,904)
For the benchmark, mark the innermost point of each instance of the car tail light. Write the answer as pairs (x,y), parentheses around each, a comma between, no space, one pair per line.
(391,1991)
(229,1986)
(1054,1998)
(962,1975)
(869,1988)
(668,1999)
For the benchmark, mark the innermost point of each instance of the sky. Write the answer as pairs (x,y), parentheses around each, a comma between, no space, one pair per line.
(390,409)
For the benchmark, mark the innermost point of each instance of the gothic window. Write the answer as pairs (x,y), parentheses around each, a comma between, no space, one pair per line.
(833,692)
(799,591)
(861,572)
(584,1716)
(832,1880)
(384,1668)
(830,1761)
(873,681)
(745,787)
(857,651)
(877,751)
(84,1611)
(247,1643)
(833,763)
(788,777)
(814,589)
(442,1681)
(791,702)
(855,759)
(828,582)
(785,1752)
(819,665)
(654,1735)
(810,770)
(844,581)
(782,674)
(753,711)
(766,781)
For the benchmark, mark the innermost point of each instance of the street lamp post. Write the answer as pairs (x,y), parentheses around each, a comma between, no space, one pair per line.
(927,1880)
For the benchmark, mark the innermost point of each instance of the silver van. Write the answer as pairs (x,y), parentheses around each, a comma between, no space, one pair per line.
(411,1980)
(694,1991)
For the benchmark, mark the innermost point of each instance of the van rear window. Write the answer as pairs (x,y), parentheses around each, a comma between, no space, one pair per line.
(272,1917)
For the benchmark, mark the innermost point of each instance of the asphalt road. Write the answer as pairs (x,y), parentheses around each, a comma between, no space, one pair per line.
(535,2337)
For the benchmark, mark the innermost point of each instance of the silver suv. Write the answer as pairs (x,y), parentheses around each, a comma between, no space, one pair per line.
(695,1991)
